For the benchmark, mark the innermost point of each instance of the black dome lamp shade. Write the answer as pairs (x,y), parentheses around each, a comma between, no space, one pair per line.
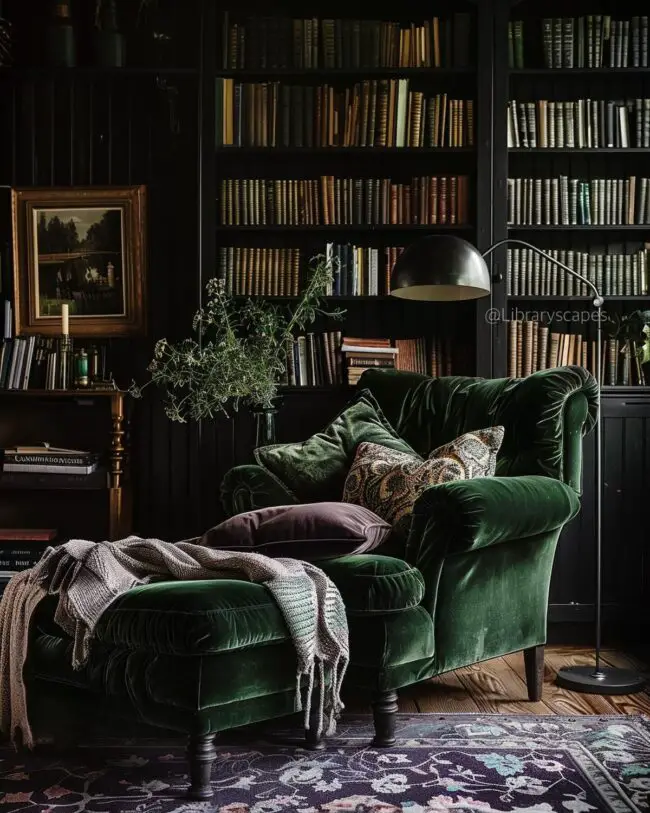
(440,267)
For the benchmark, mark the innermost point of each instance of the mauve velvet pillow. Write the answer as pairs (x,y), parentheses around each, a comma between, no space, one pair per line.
(309,531)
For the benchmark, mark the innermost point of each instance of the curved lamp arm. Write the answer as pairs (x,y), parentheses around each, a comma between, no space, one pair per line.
(598,298)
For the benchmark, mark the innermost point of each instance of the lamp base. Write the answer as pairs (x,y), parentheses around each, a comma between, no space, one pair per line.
(607,680)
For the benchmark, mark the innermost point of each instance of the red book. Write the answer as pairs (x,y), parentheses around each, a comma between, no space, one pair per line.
(27,534)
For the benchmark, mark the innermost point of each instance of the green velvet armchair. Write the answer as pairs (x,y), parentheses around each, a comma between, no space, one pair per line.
(467,580)
(484,547)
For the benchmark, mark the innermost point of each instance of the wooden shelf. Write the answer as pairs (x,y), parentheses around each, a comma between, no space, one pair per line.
(333,298)
(320,151)
(558,298)
(49,72)
(328,73)
(350,228)
(89,393)
(579,150)
(13,481)
(621,389)
(577,71)
(642,227)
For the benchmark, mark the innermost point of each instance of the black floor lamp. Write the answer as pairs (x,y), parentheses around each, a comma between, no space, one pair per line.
(447,268)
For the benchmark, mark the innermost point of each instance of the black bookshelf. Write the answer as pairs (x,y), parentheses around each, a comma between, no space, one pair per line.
(625,408)
(368,315)
(330,73)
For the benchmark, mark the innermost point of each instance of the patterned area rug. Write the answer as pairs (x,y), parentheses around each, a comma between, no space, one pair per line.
(466,763)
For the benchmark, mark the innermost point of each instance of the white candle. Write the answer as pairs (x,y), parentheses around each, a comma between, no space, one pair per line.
(65,319)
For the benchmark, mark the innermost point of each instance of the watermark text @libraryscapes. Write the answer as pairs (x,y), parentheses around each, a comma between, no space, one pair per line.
(494,316)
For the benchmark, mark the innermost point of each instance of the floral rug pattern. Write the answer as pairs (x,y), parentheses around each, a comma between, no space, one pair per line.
(440,764)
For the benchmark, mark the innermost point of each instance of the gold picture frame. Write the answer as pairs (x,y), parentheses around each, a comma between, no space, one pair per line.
(83,246)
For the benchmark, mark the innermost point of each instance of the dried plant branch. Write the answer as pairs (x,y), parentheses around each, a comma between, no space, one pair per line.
(238,352)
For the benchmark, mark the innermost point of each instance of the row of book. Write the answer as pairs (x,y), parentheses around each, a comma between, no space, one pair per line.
(616,274)
(532,346)
(314,360)
(565,201)
(580,124)
(268,43)
(357,270)
(32,362)
(373,113)
(329,359)
(591,41)
(360,270)
(595,41)
(344,201)
(248,271)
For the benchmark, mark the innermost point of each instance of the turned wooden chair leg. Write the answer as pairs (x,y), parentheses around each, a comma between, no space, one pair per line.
(201,753)
(534,665)
(384,709)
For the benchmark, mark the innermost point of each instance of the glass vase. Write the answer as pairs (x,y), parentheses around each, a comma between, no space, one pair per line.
(265,426)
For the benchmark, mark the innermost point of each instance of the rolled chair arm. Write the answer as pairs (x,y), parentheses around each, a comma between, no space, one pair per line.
(466,515)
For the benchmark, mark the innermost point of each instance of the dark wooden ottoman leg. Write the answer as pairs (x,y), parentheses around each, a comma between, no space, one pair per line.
(313,741)
(384,709)
(201,754)
(534,665)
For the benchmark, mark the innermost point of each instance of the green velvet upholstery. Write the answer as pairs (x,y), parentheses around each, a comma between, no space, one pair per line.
(373,585)
(201,657)
(485,547)
(545,415)
(315,469)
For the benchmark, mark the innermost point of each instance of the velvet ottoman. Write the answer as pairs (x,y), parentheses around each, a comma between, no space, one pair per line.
(203,657)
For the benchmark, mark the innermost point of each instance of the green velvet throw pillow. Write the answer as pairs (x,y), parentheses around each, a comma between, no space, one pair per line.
(315,470)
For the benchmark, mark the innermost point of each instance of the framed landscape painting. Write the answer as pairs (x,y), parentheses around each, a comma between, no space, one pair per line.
(83,247)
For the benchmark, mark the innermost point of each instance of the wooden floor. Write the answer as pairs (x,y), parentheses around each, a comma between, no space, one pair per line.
(498,687)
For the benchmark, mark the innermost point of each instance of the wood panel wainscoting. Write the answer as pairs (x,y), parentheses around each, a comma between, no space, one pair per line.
(499,687)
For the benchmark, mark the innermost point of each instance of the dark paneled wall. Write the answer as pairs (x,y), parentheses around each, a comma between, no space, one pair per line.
(87,127)
(158,129)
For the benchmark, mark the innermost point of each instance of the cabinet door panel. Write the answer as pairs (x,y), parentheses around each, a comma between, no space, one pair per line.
(626,530)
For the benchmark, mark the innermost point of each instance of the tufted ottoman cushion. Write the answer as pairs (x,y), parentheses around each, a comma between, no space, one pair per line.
(186,618)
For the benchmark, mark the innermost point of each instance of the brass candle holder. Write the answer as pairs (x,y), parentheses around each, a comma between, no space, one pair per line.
(66,361)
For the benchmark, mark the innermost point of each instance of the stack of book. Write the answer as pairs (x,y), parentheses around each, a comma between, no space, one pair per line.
(361,354)
(20,549)
(25,465)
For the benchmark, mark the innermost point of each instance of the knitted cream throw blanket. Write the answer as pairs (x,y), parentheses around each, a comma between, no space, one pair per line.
(88,576)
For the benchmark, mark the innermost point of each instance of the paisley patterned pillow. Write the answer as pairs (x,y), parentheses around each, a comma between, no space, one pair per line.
(389,482)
